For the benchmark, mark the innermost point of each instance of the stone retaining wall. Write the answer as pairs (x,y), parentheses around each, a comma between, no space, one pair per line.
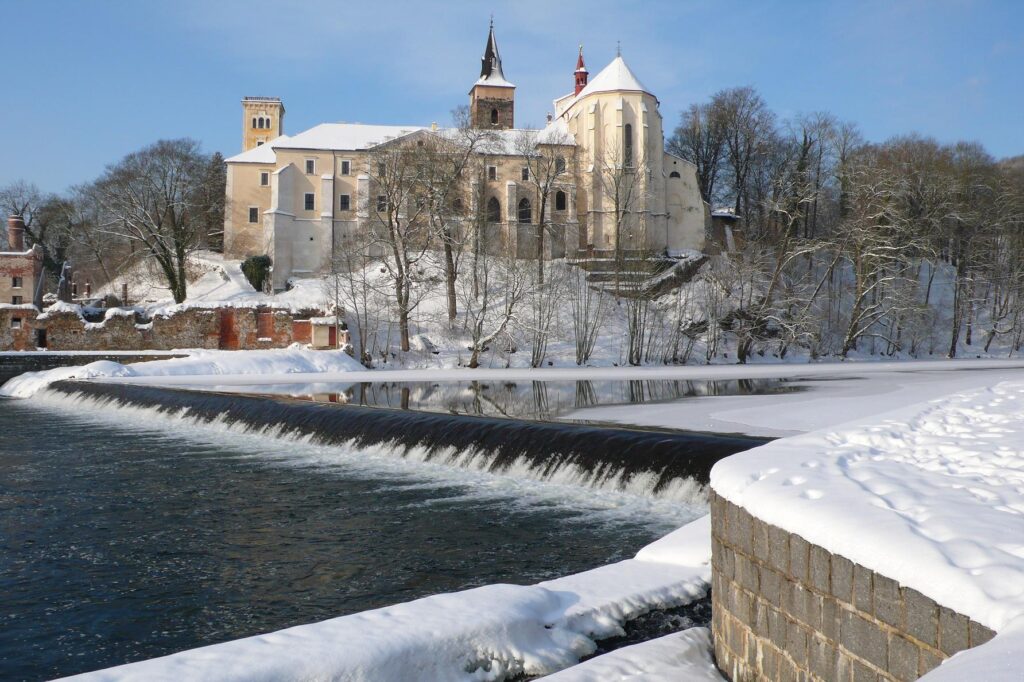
(784,609)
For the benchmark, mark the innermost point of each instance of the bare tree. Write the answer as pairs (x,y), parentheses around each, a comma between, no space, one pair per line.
(157,198)
(548,155)
(400,225)
(700,139)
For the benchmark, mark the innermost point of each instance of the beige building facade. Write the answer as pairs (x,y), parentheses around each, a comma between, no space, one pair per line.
(301,199)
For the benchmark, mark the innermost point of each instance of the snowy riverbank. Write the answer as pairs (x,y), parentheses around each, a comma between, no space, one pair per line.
(930,495)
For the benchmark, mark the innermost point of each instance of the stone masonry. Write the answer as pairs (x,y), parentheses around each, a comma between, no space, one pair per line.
(784,609)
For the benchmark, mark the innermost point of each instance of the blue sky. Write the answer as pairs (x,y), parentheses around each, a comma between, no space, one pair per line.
(86,81)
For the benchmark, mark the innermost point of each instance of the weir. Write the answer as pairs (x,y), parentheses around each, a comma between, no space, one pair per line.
(596,456)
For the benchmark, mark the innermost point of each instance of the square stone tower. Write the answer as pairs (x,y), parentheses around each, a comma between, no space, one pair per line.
(492,98)
(262,120)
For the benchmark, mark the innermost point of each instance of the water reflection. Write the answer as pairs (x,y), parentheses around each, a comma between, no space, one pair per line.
(542,400)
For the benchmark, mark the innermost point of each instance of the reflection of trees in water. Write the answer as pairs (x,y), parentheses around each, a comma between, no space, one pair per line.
(586,395)
(540,399)
(545,399)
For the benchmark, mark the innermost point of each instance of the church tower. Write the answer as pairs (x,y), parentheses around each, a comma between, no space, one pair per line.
(492,98)
(262,120)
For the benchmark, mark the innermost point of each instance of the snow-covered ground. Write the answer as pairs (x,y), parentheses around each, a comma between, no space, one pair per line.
(930,495)
(487,633)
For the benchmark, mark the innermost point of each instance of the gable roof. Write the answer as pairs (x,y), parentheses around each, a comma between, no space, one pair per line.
(344,136)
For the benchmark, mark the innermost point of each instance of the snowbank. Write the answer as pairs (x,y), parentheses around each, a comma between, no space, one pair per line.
(931,495)
(487,633)
(203,363)
(682,656)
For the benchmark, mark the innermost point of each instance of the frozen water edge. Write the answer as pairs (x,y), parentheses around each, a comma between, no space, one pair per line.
(680,656)
(487,633)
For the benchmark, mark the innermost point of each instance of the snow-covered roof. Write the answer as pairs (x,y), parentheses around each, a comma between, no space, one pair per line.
(616,77)
(263,153)
(494,80)
(344,136)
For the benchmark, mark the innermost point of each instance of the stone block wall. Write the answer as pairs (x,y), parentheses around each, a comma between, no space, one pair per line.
(784,609)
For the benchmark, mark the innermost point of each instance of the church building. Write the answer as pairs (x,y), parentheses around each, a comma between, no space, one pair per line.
(302,198)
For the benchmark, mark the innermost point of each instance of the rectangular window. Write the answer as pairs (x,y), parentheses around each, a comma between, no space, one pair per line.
(15,323)
(526,174)
(382,202)
(492,172)
(381,170)
(310,166)
(264,178)
(254,214)
(344,202)
(346,167)
(310,202)
(16,282)
(16,300)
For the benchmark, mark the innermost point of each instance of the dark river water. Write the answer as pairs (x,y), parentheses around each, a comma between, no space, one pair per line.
(123,540)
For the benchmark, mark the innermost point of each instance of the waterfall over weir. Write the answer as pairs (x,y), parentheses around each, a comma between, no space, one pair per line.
(653,463)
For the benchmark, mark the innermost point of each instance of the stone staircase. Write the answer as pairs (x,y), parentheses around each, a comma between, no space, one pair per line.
(636,274)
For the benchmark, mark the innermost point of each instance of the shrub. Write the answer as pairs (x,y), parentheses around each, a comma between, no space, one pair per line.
(257,270)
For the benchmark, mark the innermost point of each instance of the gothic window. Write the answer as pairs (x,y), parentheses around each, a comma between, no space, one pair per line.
(493,210)
(674,174)
(494,117)
(525,211)
(627,145)
(310,201)
(560,165)
(254,214)
(560,200)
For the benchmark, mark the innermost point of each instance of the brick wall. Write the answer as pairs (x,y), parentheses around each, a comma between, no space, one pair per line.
(784,609)
(211,328)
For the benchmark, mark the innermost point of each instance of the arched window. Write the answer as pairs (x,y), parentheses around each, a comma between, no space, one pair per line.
(253,121)
(494,117)
(674,174)
(493,210)
(260,122)
(525,211)
(267,122)
(627,145)
(560,165)
(560,200)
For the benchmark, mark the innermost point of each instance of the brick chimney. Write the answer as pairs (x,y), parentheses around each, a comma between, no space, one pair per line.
(16,233)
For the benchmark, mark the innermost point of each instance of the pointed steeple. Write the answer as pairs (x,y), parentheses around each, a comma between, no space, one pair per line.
(581,73)
(492,98)
(490,63)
